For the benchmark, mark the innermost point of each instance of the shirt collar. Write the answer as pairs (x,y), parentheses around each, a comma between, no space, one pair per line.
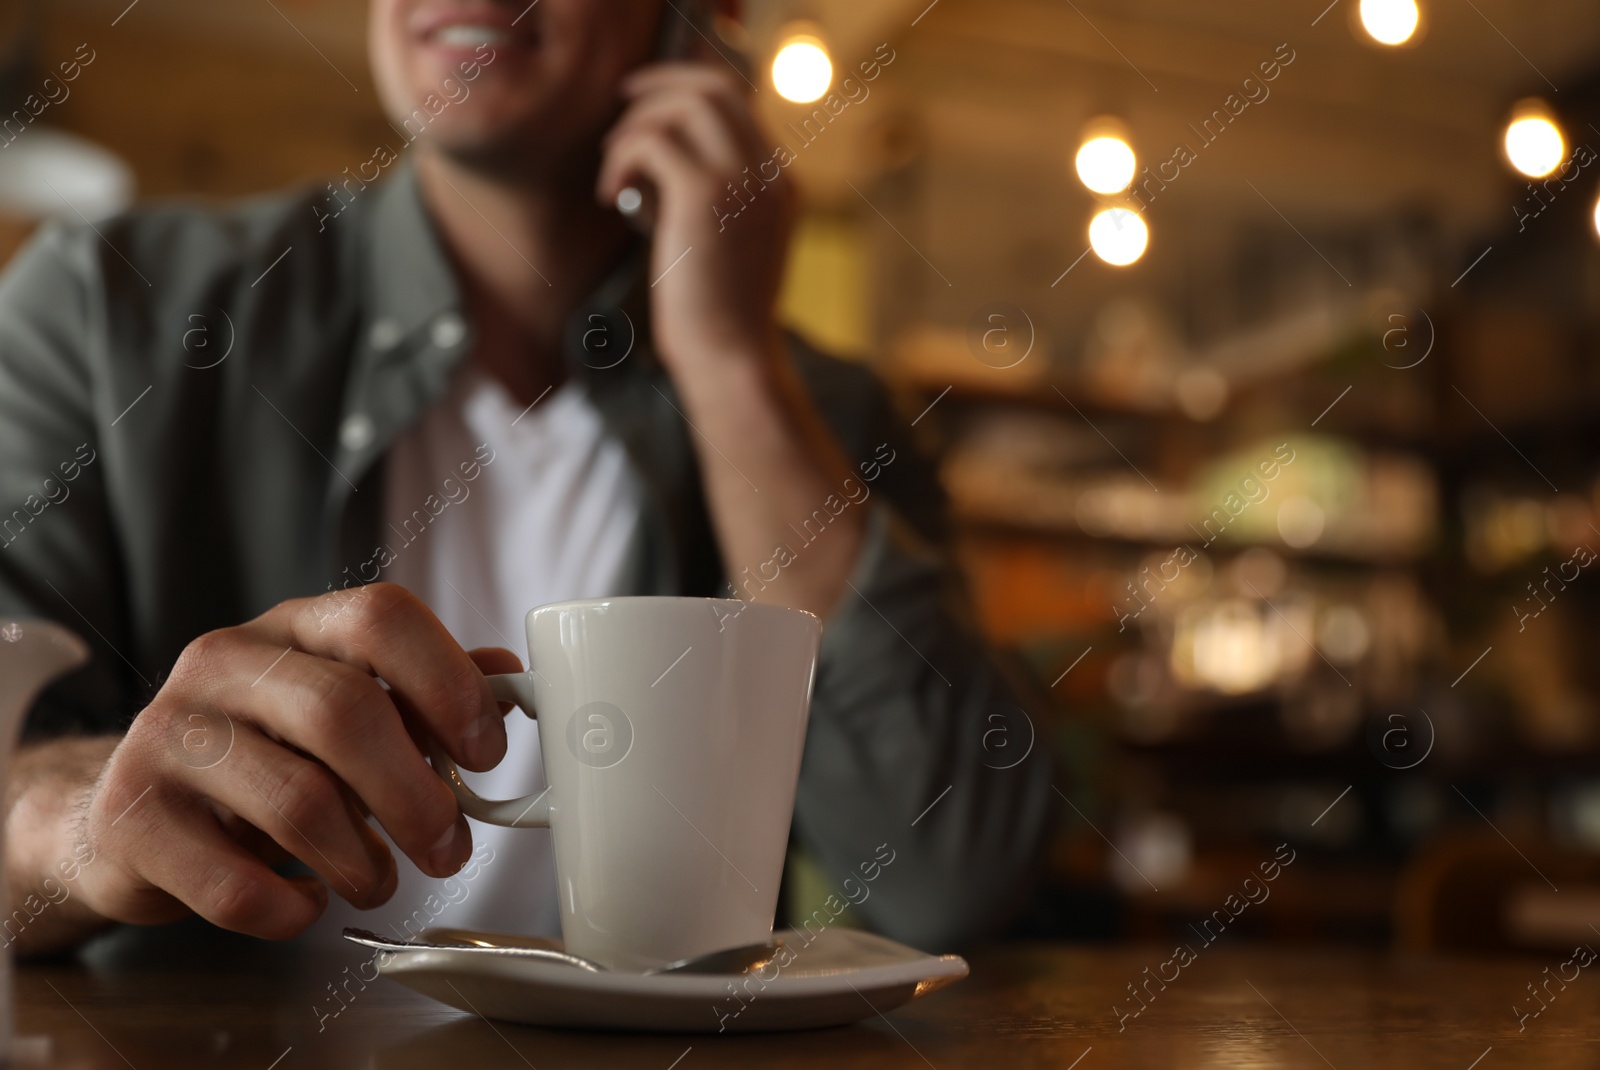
(410,281)
(412,287)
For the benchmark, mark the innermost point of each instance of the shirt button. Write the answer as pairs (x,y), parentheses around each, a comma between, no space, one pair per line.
(448,330)
(385,334)
(356,433)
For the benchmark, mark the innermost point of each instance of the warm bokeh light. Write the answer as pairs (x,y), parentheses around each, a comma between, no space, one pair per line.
(1301,522)
(802,71)
(1106,164)
(1390,22)
(1230,647)
(1118,236)
(1534,144)
(1597,218)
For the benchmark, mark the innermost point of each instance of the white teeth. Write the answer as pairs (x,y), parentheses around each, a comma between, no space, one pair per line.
(468,36)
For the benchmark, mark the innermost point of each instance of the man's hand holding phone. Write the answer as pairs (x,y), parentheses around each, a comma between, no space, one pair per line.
(689,133)
(767,458)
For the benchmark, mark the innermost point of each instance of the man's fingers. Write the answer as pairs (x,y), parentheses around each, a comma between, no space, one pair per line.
(386,631)
(352,725)
(304,808)
(193,860)
(267,741)
(496,661)
(712,133)
(254,840)
(660,157)
(702,77)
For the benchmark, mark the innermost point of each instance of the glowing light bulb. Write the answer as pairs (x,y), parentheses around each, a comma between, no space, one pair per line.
(802,71)
(1534,145)
(1106,164)
(1390,22)
(1597,218)
(1118,236)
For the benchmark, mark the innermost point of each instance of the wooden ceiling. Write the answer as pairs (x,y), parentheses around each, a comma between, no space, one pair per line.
(1366,165)
(1350,128)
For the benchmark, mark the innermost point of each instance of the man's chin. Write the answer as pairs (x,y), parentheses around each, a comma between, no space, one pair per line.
(515,159)
(511,154)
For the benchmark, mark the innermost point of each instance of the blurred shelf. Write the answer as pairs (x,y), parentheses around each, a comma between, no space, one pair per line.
(1022,531)
(1011,528)
(1242,742)
(1049,395)
(1372,409)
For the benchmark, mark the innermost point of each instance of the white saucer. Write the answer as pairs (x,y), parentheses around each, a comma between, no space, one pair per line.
(840,976)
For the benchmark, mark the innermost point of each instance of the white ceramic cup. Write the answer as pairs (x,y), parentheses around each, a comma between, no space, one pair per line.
(671,731)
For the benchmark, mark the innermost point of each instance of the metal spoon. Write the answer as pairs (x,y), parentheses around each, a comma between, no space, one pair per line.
(733,960)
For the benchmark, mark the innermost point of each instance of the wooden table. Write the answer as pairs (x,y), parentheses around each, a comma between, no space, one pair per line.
(246,1006)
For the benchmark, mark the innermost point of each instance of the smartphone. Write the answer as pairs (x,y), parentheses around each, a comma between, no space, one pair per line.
(683,22)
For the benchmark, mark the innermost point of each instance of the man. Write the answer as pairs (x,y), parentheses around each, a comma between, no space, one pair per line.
(471,383)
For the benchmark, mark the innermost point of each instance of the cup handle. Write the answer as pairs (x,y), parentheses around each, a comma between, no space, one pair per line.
(528,812)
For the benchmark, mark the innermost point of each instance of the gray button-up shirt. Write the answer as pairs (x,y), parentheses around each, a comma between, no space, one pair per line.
(194,411)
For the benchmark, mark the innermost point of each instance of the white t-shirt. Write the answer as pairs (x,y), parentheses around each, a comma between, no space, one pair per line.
(550,517)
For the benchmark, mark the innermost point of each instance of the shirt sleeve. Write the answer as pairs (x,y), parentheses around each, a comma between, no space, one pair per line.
(57,559)
(919,748)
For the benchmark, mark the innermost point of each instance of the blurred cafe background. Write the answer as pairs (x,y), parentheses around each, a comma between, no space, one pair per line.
(1256,342)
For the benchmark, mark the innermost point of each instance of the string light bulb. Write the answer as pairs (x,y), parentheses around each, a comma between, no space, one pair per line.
(1105,160)
(1533,142)
(802,70)
(1118,236)
(1390,22)
(1106,163)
